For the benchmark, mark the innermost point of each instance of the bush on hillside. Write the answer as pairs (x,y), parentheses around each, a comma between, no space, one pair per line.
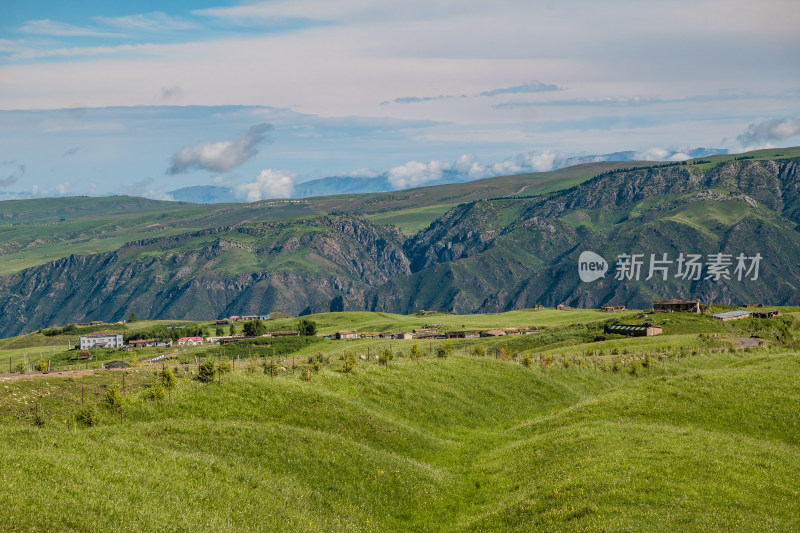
(113,398)
(307,327)
(207,371)
(88,416)
(154,392)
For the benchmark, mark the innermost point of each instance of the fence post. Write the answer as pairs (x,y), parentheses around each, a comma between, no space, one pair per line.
(81,395)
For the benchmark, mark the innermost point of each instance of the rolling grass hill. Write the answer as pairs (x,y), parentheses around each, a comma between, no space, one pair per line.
(706,442)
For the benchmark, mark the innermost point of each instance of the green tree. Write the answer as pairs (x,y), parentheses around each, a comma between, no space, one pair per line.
(350,362)
(168,378)
(207,371)
(40,366)
(385,356)
(20,368)
(220,331)
(254,328)
(113,398)
(132,318)
(414,352)
(307,327)
(479,351)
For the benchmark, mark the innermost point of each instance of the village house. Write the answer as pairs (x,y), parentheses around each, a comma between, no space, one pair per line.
(612,308)
(493,333)
(349,334)
(676,306)
(99,340)
(463,334)
(405,335)
(190,341)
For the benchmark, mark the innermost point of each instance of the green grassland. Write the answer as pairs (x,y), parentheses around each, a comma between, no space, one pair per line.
(705,442)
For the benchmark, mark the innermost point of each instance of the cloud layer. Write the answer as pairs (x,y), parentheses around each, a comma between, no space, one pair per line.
(220,156)
(769,131)
(269,184)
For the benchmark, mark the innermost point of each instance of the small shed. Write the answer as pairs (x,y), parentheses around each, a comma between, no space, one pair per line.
(633,330)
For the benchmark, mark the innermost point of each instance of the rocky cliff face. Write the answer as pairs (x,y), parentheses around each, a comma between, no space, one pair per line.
(484,256)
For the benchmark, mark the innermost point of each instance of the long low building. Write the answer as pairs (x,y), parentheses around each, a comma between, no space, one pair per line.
(676,306)
(633,330)
(99,340)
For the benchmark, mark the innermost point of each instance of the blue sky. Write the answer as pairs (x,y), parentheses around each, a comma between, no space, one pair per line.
(105,97)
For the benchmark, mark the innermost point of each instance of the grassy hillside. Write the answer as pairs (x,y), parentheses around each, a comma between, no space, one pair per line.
(457,444)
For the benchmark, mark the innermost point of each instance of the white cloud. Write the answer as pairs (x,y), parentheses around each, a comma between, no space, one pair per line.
(220,156)
(62,188)
(147,22)
(769,131)
(147,188)
(467,165)
(414,174)
(62,29)
(269,184)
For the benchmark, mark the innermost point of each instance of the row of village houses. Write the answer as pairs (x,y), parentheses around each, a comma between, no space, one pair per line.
(430,331)
(100,340)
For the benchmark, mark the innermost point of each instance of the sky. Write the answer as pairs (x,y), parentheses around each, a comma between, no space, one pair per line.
(144,97)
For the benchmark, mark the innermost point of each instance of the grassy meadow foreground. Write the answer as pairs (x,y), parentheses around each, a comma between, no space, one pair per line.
(564,430)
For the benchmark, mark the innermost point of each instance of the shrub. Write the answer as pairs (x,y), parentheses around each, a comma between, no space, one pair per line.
(307,328)
(252,365)
(38,419)
(305,374)
(526,360)
(224,366)
(414,352)
(40,366)
(385,356)
(206,372)
(154,392)
(350,362)
(88,416)
(20,368)
(113,398)
(168,378)
(479,351)
(441,352)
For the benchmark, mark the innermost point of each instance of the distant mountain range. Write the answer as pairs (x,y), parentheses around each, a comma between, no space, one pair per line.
(486,246)
(355,185)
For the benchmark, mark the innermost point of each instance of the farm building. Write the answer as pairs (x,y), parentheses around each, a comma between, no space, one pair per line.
(463,334)
(641,330)
(285,333)
(767,314)
(493,333)
(190,341)
(676,306)
(733,315)
(98,340)
(612,308)
(347,334)
(404,335)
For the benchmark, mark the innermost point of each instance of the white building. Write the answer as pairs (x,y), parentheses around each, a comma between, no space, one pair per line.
(98,340)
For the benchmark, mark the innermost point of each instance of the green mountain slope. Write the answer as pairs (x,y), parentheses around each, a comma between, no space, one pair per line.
(184,261)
